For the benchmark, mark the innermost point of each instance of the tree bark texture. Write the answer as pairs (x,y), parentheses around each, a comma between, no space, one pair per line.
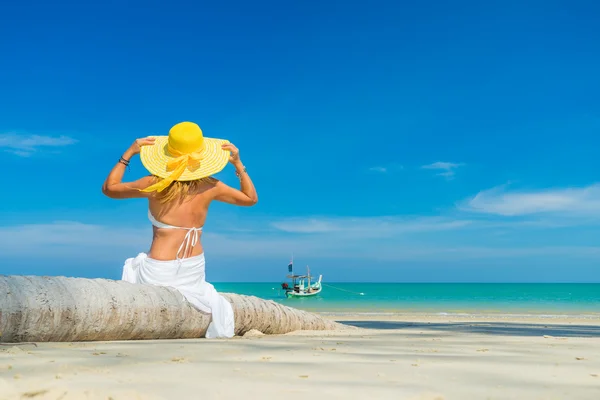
(61,309)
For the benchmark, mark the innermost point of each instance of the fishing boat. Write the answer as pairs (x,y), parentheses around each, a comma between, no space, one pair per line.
(302,285)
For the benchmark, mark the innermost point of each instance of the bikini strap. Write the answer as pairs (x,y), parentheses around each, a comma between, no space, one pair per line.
(159,224)
(189,241)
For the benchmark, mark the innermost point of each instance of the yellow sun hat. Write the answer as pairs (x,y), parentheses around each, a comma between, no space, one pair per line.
(184,155)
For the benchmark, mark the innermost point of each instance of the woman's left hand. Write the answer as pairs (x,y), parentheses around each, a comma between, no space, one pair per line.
(136,147)
(234,153)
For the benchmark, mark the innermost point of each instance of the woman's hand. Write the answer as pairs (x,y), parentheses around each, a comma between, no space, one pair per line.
(136,147)
(234,156)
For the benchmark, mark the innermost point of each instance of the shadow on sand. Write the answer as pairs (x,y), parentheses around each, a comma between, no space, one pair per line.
(489,328)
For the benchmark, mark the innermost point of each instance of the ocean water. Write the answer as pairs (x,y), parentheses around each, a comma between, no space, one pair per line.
(440,298)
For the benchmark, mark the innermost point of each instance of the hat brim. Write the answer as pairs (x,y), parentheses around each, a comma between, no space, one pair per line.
(214,159)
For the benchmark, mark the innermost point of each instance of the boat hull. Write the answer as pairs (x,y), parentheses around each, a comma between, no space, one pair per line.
(301,294)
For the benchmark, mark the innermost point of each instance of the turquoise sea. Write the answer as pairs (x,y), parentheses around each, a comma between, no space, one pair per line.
(452,298)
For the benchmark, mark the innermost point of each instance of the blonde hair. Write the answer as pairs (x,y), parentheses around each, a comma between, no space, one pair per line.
(180,190)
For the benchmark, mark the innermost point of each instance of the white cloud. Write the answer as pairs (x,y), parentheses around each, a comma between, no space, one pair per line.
(25,145)
(566,202)
(393,167)
(447,169)
(378,169)
(305,225)
(71,238)
(446,253)
(368,226)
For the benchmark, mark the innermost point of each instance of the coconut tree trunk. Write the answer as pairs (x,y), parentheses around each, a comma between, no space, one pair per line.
(57,309)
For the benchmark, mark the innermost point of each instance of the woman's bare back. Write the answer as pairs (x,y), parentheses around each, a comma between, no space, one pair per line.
(189,212)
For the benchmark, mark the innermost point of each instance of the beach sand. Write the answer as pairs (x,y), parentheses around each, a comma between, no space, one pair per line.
(394,357)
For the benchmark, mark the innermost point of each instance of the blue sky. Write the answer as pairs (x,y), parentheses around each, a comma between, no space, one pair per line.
(388,141)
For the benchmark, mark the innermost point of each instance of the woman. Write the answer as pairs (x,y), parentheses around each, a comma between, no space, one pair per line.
(179,192)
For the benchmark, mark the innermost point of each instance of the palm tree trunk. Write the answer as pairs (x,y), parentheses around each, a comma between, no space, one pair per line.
(59,309)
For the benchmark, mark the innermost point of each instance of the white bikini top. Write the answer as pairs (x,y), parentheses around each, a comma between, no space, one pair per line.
(190,240)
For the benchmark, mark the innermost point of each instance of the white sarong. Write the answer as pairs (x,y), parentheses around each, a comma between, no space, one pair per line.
(188,277)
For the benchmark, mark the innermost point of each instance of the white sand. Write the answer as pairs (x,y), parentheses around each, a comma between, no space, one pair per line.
(424,358)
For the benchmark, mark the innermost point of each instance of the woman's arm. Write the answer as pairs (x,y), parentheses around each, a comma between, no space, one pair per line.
(246,196)
(114,188)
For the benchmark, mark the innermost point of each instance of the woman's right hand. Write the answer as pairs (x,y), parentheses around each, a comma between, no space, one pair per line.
(136,147)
